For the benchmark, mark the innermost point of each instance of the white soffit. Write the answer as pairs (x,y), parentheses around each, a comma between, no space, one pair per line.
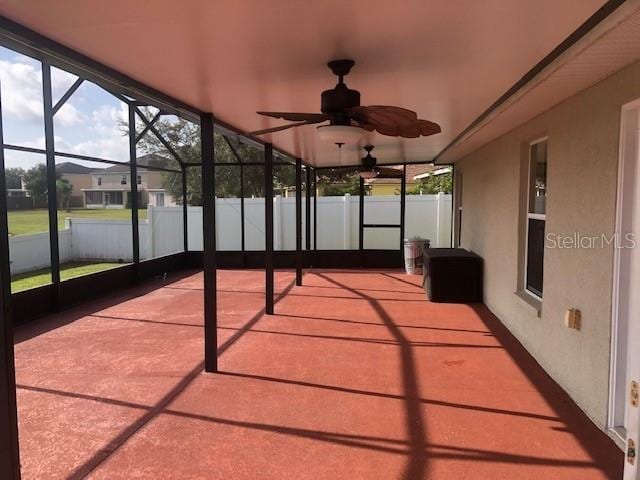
(609,47)
(447,60)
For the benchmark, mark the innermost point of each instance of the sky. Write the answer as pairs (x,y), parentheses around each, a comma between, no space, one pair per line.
(88,124)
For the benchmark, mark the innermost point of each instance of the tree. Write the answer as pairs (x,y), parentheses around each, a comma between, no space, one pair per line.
(433,184)
(339,181)
(184,137)
(12,176)
(35,180)
(64,190)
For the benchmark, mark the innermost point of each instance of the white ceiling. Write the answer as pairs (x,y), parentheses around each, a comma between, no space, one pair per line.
(609,47)
(446,60)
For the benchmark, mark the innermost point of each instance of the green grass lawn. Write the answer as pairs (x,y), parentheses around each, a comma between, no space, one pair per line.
(22,222)
(37,278)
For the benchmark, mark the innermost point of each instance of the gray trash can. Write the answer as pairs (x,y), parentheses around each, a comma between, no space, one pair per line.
(413,250)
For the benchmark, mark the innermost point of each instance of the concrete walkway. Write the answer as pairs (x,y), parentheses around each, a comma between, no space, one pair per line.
(356,377)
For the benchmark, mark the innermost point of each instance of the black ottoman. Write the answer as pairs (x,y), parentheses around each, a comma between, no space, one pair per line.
(452,275)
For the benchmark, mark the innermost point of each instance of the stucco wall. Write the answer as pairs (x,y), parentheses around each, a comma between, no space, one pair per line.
(582,160)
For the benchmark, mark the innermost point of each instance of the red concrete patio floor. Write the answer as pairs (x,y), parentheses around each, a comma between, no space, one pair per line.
(356,377)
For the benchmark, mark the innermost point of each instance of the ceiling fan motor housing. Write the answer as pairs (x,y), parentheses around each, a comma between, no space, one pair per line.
(337,100)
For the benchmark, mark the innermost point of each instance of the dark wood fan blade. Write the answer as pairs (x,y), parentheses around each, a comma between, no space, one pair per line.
(297,117)
(393,121)
(283,127)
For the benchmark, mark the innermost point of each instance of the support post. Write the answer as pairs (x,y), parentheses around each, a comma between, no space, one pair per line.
(298,222)
(209,243)
(346,221)
(315,210)
(135,231)
(52,197)
(361,221)
(403,204)
(185,209)
(242,227)
(307,223)
(9,449)
(268,227)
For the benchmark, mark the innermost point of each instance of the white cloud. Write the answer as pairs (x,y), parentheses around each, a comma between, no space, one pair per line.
(110,120)
(110,148)
(22,93)
(22,88)
(113,148)
(69,115)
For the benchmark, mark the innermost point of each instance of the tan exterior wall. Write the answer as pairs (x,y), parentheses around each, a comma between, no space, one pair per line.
(582,160)
(78,180)
(385,189)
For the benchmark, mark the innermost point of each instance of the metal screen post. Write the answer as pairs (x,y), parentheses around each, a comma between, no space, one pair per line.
(243,244)
(135,234)
(209,239)
(315,210)
(361,221)
(403,204)
(9,448)
(307,225)
(52,197)
(185,208)
(298,221)
(268,227)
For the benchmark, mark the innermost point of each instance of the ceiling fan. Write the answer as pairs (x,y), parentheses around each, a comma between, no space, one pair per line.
(369,169)
(348,120)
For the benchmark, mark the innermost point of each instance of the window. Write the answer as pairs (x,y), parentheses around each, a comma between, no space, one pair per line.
(93,198)
(123,181)
(536,218)
(113,198)
(139,180)
(99,181)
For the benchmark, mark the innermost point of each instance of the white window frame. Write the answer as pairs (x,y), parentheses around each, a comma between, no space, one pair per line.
(532,216)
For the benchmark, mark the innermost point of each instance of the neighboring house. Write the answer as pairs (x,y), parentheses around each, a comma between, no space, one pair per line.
(388,183)
(79,177)
(111,187)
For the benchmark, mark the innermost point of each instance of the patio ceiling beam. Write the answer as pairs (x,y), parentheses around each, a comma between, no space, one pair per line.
(67,95)
(157,134)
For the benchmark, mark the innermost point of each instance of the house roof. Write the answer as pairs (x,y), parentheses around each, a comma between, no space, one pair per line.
(151,159)
(72,168)
(412,171)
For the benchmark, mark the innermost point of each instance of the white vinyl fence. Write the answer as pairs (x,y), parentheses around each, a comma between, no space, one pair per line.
(82,239)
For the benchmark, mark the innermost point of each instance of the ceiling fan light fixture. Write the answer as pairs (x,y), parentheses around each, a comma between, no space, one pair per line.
(369,174)
(341,134)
